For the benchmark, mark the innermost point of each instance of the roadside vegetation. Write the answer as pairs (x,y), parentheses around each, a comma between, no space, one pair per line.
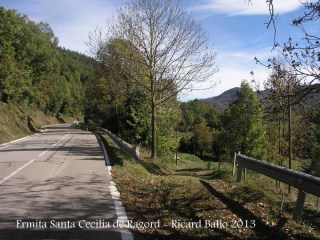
(40,82)
(135,94)
(194,190)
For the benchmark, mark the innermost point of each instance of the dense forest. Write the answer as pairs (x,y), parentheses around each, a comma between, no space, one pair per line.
(35,72)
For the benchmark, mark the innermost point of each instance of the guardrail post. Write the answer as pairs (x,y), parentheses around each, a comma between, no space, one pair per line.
(137,150)
(234,164)
(239,173)
(298,209)
(244,173)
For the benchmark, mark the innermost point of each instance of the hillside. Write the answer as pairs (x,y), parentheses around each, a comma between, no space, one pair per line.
(39,81)
(17,122)
(222,101)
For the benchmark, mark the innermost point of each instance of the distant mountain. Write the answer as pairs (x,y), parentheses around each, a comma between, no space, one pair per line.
(222,101)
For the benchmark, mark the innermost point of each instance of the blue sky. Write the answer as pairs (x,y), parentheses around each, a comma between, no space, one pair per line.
(236,29)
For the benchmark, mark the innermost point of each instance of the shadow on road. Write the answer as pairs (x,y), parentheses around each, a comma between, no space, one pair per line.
(70,183)
(83,197)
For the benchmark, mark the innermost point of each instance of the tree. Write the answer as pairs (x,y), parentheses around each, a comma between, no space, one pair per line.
(46,29)
(315,153)
(242,125)
(173,50)
(117,103)
(203,137)
(197,112)
(116,96)
(282,91)
(302,55)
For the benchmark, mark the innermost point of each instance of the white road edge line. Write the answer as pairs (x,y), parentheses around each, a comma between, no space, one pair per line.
(120,210)
(24,138)
(16,171)
(19,140)
(43,153)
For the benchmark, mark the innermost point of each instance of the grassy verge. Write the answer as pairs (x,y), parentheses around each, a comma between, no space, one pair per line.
(196,192)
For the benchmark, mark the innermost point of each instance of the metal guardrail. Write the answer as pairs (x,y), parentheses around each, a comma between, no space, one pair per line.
(304,182)
(81,125)
(132,151)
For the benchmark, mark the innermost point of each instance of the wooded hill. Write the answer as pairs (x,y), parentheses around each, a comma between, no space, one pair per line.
(222,101)
(35,72)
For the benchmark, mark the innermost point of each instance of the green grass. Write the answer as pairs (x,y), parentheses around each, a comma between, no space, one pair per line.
(160,190)
(189,157)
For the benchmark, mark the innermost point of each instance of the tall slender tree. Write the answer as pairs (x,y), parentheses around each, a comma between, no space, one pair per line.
(242,125)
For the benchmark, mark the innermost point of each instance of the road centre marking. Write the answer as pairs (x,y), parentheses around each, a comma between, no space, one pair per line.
(43,153)
(16,171)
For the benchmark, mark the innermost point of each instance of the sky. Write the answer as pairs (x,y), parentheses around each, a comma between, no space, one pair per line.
(237,31)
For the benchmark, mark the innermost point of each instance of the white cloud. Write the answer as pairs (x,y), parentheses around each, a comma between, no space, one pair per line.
(79,19)
(242,7)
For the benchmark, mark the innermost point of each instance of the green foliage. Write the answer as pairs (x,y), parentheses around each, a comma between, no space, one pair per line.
(242,125)
(117,104)
(168,119)
(203,137)
(315,164)
(35,72)
(196,112)
(202,120)
(315,137)
(239,128)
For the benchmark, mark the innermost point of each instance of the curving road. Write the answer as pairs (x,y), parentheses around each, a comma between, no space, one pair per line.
(56,186)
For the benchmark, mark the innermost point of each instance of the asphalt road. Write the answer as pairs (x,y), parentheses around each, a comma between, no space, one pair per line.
(56,186)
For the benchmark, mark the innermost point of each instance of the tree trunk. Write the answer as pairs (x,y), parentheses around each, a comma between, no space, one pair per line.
(290,137)
(177,145)
(290,134)
(154,132)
